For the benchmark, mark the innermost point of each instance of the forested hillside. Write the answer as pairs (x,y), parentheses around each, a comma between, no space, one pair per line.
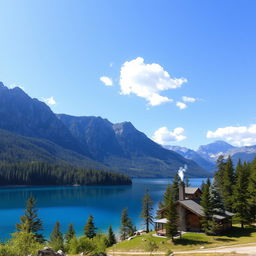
(38,174)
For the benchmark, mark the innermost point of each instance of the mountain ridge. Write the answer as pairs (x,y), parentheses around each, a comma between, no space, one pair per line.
(119,147)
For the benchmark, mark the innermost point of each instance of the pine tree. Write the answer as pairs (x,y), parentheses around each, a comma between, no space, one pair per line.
(241,195)
(206,203)
(147,208)
(216,199)
(90,229)
(70,233)
(30,223)
(252,190)
(111,238)
(172,216)
(218,176)
(167,195)
(126,228)
(228,184)
(56,238)
(175,187)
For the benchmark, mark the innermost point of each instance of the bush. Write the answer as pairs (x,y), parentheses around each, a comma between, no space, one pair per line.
(88,246)
(21,244)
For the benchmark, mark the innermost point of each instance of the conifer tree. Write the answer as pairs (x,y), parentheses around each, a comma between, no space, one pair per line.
(126,228)
(90,229)
(30,222)
(147,208)
(175,187)
(206,203)
(167,195)
(111,238)
(56,238)
(172,216)
(228,184)
(241,195)
(216,199)
(252,190)
(70,233)
(218,176)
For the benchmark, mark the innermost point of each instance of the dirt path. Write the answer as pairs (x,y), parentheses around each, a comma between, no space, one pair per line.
(249,249)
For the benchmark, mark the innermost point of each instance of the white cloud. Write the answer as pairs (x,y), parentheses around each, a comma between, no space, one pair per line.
(188,99)
(165,137)
(147,81)
(236,135)
(106,80)
(181,105)
(50,101)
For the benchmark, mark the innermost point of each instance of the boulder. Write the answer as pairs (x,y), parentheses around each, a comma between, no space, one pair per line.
(47,251)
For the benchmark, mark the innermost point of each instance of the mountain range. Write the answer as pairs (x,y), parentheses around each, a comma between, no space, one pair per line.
(30,131)
(206,155)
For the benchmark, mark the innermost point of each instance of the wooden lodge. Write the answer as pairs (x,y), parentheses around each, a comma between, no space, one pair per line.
(190,213)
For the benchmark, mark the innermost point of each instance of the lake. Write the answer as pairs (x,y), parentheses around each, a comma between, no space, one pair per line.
(69,204)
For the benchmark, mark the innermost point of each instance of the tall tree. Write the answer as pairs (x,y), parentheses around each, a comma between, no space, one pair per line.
(252,190)
(172,216)
(126,228)
(56,238)
(228,184)
(70,233)
(147,208)
(206,203)
(111,238)
(218,176)
(216,199)
(89,228)
(30,222)
(241,195)
(175,187)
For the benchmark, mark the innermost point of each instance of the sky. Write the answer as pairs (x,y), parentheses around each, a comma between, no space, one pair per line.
(183,72)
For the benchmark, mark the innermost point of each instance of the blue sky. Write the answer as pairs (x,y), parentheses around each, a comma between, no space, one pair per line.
(60,49)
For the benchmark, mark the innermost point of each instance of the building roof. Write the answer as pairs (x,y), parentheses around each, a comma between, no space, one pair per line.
(191,190)
(163,221)
(197,209)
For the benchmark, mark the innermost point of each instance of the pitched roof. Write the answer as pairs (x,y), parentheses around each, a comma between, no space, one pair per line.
(191,190)
(197,209)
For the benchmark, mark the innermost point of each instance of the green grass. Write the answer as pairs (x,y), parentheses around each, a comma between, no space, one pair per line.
(189,241)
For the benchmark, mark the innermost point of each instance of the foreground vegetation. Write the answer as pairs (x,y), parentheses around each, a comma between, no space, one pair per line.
(41,173)
(189,241)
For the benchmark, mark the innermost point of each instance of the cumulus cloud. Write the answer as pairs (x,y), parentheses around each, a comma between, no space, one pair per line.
(147,81)
(188,99)
(165,137)
(106,80)
(50,101)
(181,105)
(236,135)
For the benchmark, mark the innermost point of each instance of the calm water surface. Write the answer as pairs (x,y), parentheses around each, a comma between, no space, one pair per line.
(75,204)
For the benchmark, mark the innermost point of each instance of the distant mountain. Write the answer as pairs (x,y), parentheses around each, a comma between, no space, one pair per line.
(193,155)
(30,131)
(212,151)
(123,147)
(30,117)
(17,148)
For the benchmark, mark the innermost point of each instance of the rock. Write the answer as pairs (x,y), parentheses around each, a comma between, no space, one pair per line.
(47,251)
(60,253)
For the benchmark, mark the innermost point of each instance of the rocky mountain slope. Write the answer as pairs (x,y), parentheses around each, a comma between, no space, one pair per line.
(46,136)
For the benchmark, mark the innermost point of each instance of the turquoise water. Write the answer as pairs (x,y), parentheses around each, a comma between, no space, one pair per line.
(74,204)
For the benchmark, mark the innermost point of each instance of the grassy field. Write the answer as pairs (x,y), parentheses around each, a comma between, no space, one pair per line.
(189,241)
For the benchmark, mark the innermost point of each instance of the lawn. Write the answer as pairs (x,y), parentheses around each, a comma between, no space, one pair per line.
(189,241)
